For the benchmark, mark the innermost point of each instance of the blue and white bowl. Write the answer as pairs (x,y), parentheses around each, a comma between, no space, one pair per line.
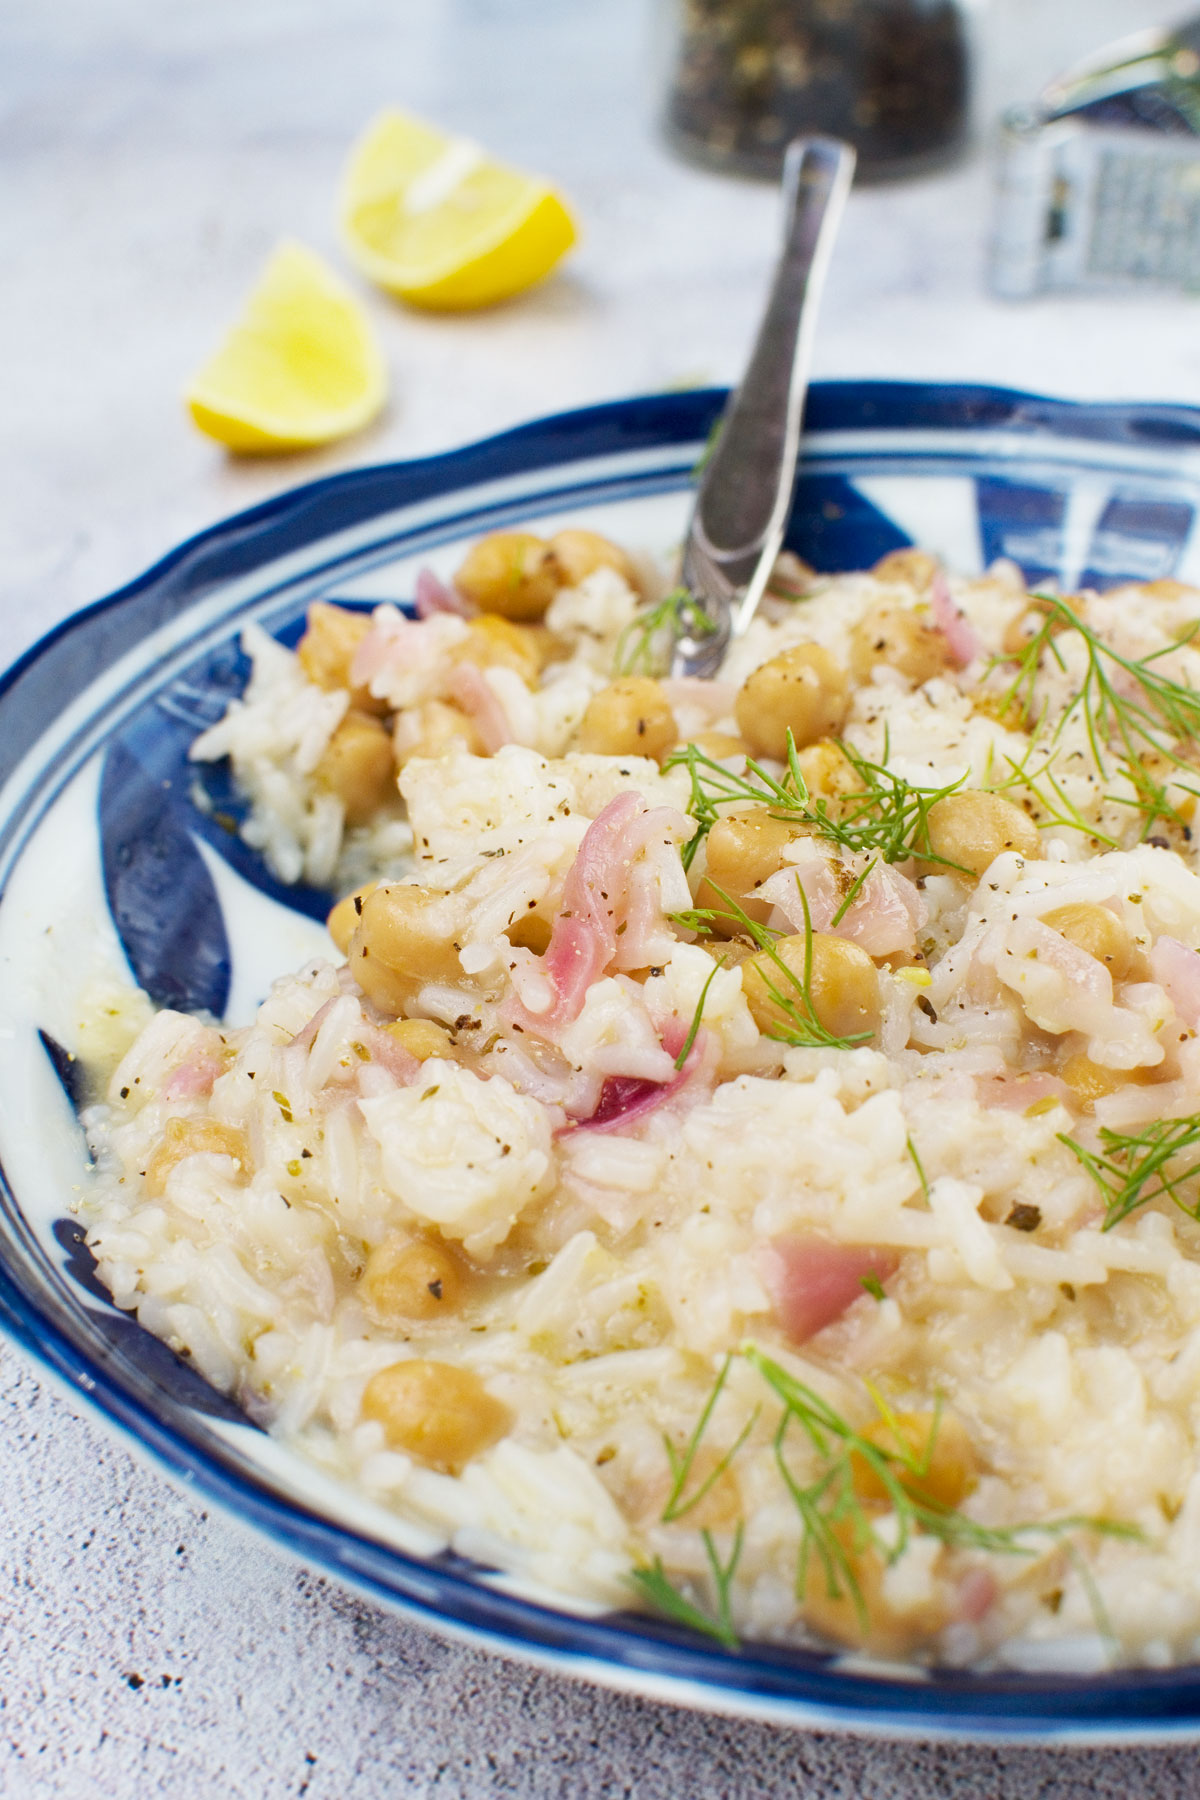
(107,862)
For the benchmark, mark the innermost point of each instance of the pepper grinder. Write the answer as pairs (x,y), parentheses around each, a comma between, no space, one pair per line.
(744,77)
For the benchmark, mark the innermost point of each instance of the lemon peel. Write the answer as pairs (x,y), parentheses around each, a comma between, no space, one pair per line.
(299,368)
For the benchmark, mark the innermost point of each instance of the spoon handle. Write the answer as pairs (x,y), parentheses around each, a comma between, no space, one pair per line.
(742,506)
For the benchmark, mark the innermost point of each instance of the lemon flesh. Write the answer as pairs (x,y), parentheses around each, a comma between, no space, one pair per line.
(299,368)
(431,218)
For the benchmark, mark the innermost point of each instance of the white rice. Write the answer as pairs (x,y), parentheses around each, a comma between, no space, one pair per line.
(616,1270)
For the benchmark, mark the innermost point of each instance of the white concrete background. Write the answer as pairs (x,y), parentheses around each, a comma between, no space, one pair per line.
(150,154)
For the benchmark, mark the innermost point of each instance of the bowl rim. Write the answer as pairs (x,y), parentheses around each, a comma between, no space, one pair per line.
(627,1651)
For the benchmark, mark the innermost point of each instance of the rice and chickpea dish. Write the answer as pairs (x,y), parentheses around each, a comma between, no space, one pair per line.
(747,1163)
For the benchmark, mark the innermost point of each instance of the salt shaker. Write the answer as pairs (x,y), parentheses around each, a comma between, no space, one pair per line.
(744,77)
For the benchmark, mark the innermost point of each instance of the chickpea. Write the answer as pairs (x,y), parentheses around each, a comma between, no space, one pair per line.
(802,690)
(842,981)
(1098,931)
(722,746)
(972,829)
(405,937)
(433,729)
(743,849)
(496,643)
(580,553)
(551,646)
(902,639)
(511,573)
(1169,589)
(327,649)
(422,1038)
(1090,1081)
(938,1444)
(630,717)
(358,766)
(827,771)
(437,1412)
(193,1137)
(916,568)
(730,953)
(408,1281)
(864,1620)
(343,920)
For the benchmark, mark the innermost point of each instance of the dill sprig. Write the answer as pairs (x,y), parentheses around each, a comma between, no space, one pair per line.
(682,1463)
(696,918)
(852,892)
(694,1028)
(919,1167)
(645,645)
(1132,1168)
(886,816)
(662,1593)
(654,1582)
(1055,804)
(789,989)
(838,1526)
(1132,713)
(714,787)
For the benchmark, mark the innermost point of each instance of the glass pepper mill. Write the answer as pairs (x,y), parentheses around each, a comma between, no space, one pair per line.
(746,76)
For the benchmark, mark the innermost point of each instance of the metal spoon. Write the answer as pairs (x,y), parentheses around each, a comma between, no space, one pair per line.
(745,495)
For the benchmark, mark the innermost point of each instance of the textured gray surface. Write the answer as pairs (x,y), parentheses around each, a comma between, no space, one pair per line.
(149,155)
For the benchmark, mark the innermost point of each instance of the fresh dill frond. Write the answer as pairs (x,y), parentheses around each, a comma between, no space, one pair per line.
(683,1462)
(1133,715)
(714,787)
(696,918)
(690,1039)
(1132,1168)
(801,1027)
(645,645)
(832,1512)
(670,1600)
(1054,803)
(889,815)
(838,1527)
(918,1166)
(852,893)
(886,816)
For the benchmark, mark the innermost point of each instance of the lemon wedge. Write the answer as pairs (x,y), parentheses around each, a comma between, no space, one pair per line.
(431,218)
(299,368)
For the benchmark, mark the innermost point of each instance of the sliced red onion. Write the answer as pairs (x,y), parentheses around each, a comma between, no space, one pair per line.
(961,641)
(306,1036)
(1177,969)
(622,1099)
(470,687)
(978,1592)
(387,1053)
(193,1077)
(1015,1093)
(432,595)
(812,1281)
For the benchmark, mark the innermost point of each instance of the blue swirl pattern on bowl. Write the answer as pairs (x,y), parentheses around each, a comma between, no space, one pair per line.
(1083,494)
